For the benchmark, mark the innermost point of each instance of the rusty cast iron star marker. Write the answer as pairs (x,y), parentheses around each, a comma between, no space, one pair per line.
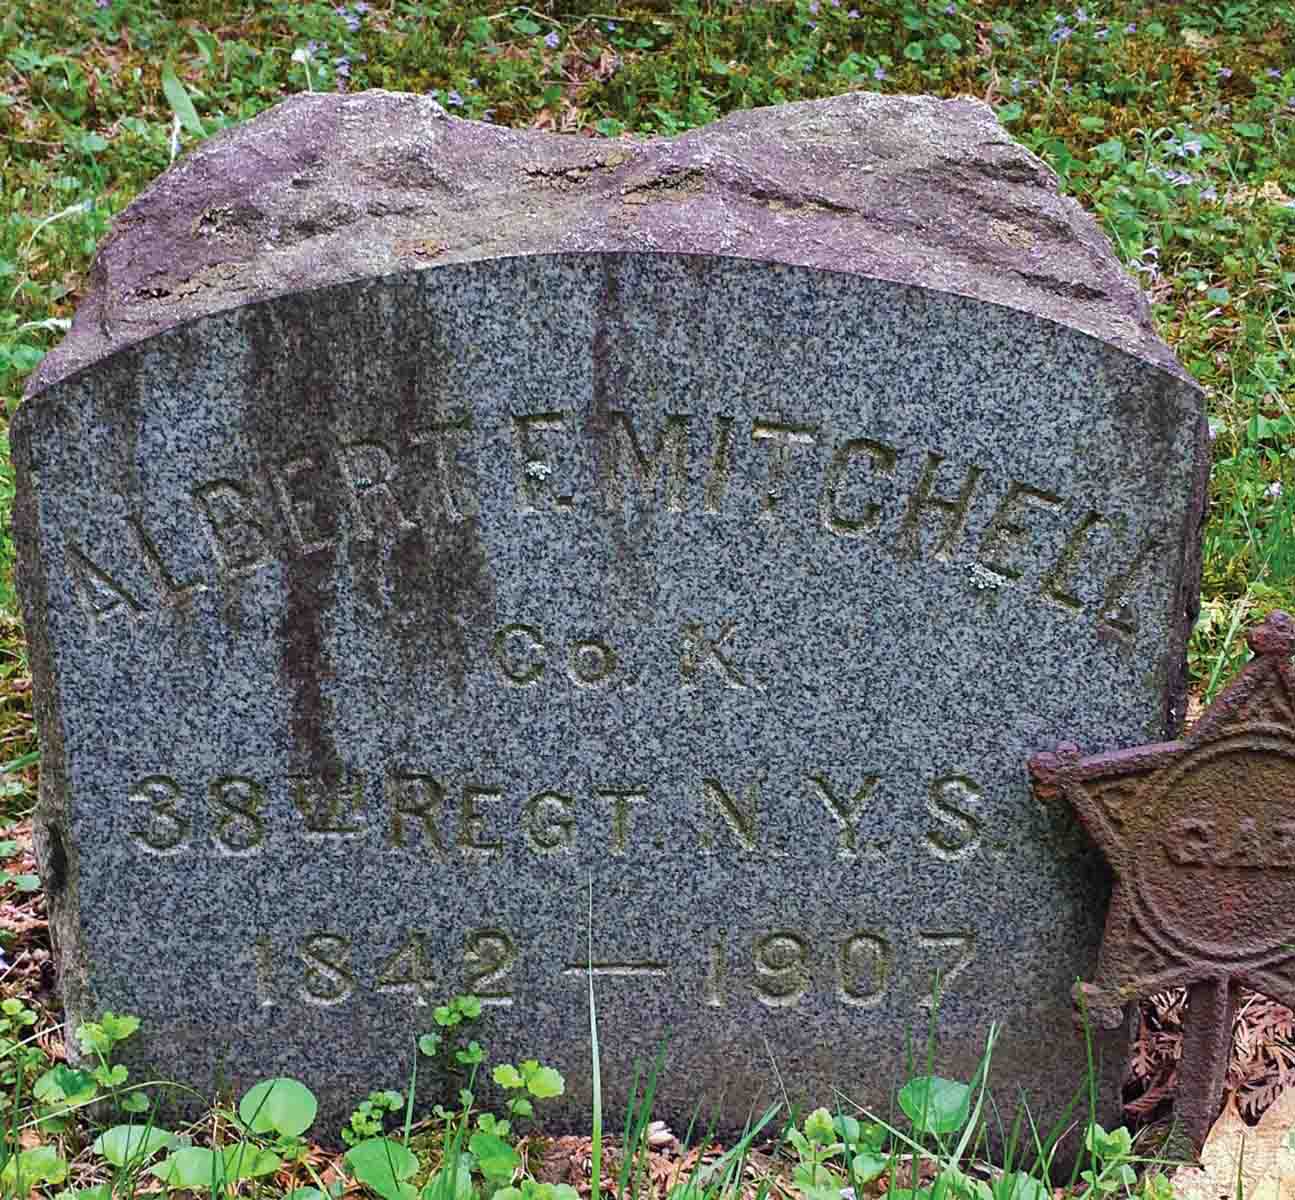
(1200,834)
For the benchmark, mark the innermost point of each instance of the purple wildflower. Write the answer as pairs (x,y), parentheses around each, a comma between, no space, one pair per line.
(813,8)
(454,99)
(551,39)
(1274,73)
(836,3)
(611,26)
(361,7)
(1081,16)
(343,67)
(102,3)
(1210,193)
(879,73)
(950,9)
(1130,29)
(1060,34)
(1102,34)
(853,14)
(313,47)
(1225,72)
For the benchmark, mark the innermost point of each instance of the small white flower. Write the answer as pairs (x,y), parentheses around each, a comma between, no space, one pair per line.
(1273,491)
(301,55)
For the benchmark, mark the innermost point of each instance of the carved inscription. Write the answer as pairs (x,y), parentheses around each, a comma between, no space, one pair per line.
(160,826)
(444,816)
(953,953)
(713,655)
(329,806)
(913,503)
(236,803)
(489,955)
(327,968)
(949,513)
(1249,843)
(785,966)
(407,969)
(867,960)
(847,810)
(777,968)
(326,976)
(522,654)
(618,970)
(669,458)
(780,977)
(952,803)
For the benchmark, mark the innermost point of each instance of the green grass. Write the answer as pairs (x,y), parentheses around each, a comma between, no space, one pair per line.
(933,1147)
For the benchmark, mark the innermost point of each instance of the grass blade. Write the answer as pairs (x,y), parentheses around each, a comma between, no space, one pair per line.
(178,98)
(596,1153)
(19,763)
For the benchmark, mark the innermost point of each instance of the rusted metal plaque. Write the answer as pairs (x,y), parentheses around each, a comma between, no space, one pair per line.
(1200,834)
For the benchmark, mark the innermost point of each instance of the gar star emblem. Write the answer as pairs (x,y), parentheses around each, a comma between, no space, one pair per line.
(1200,834)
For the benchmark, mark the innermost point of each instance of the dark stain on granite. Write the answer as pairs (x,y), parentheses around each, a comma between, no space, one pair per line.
(295,364)
(429,583)
(304,662)
(55,844)
(442,593)
(632,581)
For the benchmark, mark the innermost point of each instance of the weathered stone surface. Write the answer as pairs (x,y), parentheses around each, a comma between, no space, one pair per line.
(724,520)
(326,189)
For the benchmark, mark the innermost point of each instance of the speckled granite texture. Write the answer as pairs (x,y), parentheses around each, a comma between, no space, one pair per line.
(423,519)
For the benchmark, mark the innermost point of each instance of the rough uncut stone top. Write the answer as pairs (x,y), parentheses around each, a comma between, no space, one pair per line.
(328,188)
(423,520)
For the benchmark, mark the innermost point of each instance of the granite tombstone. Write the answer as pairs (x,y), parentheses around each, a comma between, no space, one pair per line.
(424,519)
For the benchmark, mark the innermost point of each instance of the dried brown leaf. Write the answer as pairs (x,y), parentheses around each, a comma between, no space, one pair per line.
(1257,1161)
